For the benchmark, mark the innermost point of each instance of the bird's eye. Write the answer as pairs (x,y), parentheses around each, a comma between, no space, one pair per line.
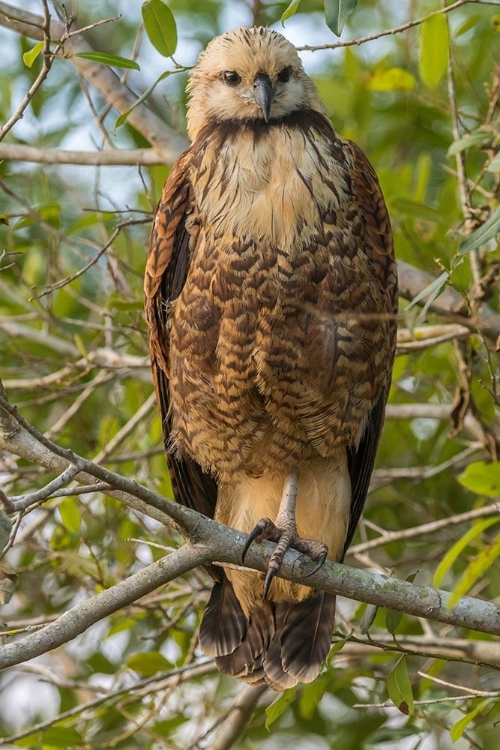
(231,77)
(284,75)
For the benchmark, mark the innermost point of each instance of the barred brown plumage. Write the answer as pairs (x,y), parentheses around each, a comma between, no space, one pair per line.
(271,299)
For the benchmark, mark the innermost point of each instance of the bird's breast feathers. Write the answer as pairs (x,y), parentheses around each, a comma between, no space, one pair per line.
(274,188)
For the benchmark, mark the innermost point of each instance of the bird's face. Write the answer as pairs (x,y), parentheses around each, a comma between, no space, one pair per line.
(247,74)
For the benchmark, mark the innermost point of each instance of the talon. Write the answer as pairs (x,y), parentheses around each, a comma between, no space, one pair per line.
(256,532)
(319,564)
(271,572)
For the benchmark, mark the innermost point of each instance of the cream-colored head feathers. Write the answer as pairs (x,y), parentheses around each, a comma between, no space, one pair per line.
(247,52)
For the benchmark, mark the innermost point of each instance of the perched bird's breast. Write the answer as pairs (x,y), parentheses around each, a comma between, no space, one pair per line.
(274,188)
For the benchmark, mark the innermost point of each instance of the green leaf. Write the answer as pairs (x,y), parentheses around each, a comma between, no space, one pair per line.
(57,736)
(482,478)
(392,620)
(148,663)
(461,725)
(5,529)
(165,727)
(279,706)
(483,234)
(122,118)
(338,646)
(30,57)
(160,26)
(290,11)
(367,618)
(431,292)
(456,550)
(392,736)
(70,515)
(475,570)
(467,25)
(309,697)
(471,139)
(399,688)
(115,302)
(105,59)
(392,79)
(337,12)
(433,59)
(8,584)
(80,345)
(494,165)
(416,210)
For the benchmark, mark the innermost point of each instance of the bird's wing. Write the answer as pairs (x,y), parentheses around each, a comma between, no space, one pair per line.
(378,247)
(166,270)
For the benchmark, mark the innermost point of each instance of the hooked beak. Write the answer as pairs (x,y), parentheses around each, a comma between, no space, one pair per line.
(263,93)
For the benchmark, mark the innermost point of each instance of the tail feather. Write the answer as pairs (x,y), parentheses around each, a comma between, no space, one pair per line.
(246,661)
(224,624)
(281,643)
(306,635)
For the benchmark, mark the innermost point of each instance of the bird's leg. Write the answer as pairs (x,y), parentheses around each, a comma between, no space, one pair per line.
(284,532)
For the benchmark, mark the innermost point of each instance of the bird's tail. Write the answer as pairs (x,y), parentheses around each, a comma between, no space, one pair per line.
(281,643)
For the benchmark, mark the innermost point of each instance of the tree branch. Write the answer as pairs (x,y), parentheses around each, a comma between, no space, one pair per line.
(209,541)
(109,157)
(234,720)
(46,66)
(397,29)
(449,304)
(86,613)
(165,141)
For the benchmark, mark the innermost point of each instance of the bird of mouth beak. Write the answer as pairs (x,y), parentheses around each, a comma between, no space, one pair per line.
(263,93)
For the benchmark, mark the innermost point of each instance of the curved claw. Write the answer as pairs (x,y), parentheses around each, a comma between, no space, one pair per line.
(254,534)
(318,565)
(271,572)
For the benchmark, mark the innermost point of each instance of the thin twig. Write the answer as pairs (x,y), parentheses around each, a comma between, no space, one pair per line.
(396,29)
(26,501)
(48,57)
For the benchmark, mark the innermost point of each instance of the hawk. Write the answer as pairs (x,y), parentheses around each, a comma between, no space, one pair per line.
(271,297)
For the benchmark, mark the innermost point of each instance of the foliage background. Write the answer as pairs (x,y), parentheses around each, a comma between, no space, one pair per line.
(73,358)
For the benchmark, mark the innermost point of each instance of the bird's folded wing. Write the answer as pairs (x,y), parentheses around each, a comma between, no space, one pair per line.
(166,271)
(378,247)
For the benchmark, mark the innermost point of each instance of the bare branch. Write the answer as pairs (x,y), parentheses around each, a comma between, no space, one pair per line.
(424,529)
(46,66)
(86,613)
(25,501)
(234,720)
(216,543)
(109,157)
(397,29)
(165,140)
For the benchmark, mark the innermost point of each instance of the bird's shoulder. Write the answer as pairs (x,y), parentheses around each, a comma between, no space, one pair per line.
(168,224)
(368,206)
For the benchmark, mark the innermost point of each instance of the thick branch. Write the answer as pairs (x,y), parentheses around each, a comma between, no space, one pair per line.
(166,141)
(218,543)
(86,613)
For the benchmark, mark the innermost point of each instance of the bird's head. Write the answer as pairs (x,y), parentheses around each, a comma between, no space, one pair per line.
(250,73)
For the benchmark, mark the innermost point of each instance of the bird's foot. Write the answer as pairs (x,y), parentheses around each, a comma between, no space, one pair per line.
(285,538)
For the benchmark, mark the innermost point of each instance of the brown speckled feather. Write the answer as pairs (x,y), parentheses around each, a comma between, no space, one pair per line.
(271,298)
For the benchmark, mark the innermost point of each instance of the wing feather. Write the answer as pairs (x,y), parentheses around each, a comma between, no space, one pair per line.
(378,247)
(166,271)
